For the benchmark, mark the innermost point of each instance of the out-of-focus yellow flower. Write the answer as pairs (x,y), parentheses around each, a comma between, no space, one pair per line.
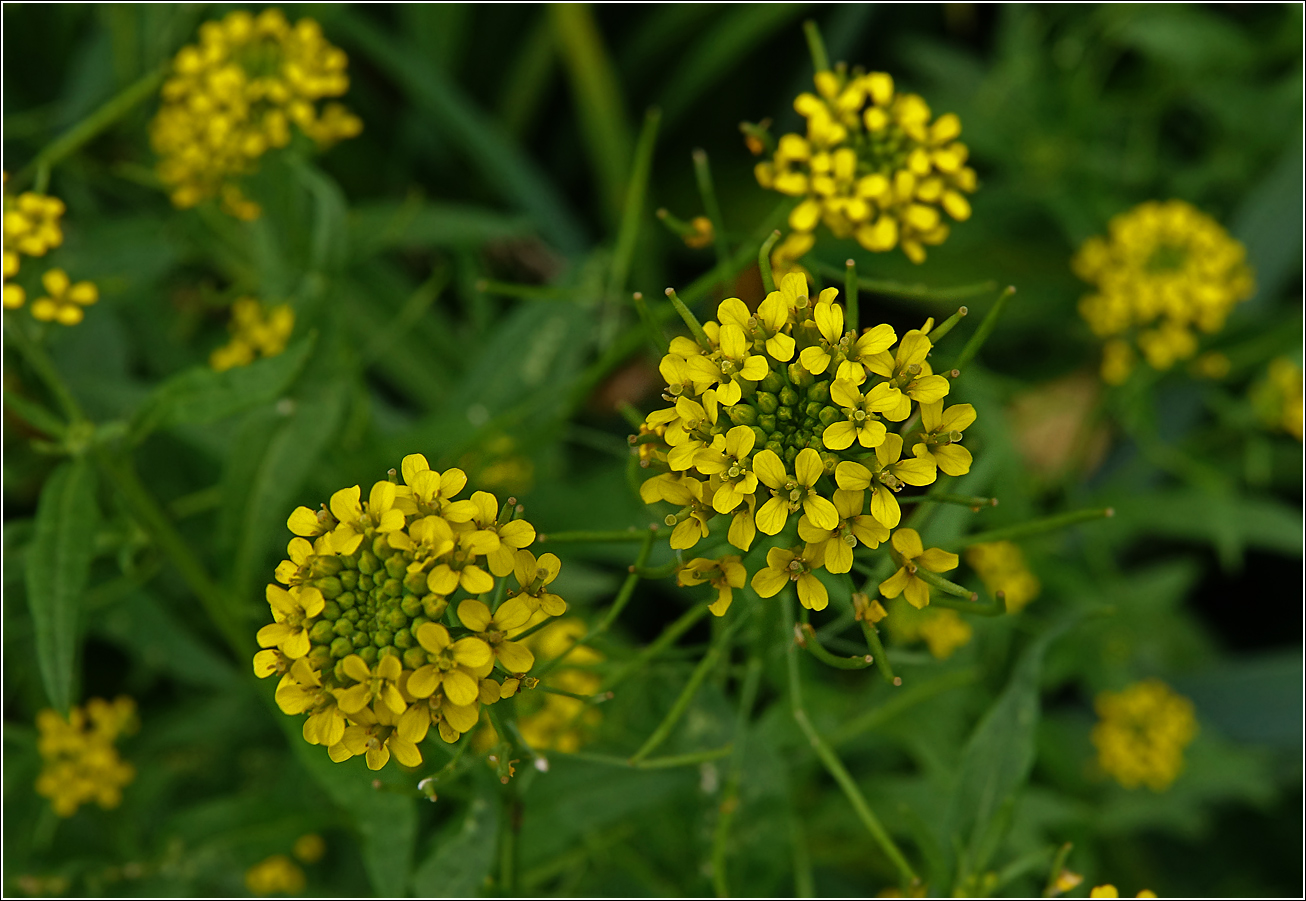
(872,166)
(80,762)
(278,875)
(309,848)
(557,722)
(31,228)
(1278,397)
(256,331)
(1001,567)
(1110,891)
(702,234)
(63,301)
(1142,732)
(1164,270)
(945,631)
(235,94)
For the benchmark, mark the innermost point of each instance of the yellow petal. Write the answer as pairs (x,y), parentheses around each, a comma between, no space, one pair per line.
(460,688)
(514,656)
(474,615)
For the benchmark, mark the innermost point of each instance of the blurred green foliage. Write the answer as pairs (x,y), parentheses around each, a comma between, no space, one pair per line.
(460,275)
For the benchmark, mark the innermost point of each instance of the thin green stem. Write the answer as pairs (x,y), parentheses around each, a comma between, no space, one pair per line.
(582,536)
(705,666)
(985,329)
(706,190)
(670,634)
(693,758)
(872,636)
(730,797)
(941,330)
(962,500)
(836,769)
(816,46)
(691,321)
(1035,527)
(36,357)
(633,209)
(658,572)
(764,261)
(901,702)
(906,291)
(937,581)
(806,638)
(114,109)
(852,313)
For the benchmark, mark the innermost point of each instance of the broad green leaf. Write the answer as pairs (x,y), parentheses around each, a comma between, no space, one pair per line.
(58,564)
(1269,224)
(200,395)
(386,225)
(999,755)
(462,856)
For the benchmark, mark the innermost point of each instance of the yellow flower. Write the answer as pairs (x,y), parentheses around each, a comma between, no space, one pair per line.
(1110,891)
(31,227)
(234,95)
(945,631)
(724,575)
(783,566)
(358,638)
(553,721)
(788,493)
(872,166)
(885,478)
(862,424)
(941,430)
(79,761)
(1001,567)
(914,556)
(255,332)
(726,461)
(534,577)
(1142,732)
(1164,270)
(63,300)
(277,875)
(309,848)
(834,547)
(1277,398)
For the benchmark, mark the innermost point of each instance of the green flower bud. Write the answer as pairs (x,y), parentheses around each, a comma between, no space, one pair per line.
(321,633)
(392,588)
(343,627)
(773,382)
(767,402)
(799,377)
(404,639)
(788,397)
(785,414)
(434,606)
(829,461)
(368,654)
(414,658)
(396,567)
(350,562)
(742,414)
(349,579)
(320,655)
(330,587)
(759,437)
(360,639)
(766,423)
(829,416)
(418,622)
(790,454)
(326,566)
(382,637)
(351,616)
(381,548)
(411,605)
(387,651)
(395,619)
(813,409)
(365,585)
(368,563)
(331,611)
(415,582)
(820,392)
(775,446)
(341,647)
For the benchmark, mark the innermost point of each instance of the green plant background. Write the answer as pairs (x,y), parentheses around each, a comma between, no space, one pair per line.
(498,144)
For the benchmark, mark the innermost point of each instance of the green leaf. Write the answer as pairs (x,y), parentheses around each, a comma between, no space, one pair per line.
(419,225)
(157,639)
(1269,224)
(999,756)
(200,395)
(58,564)
(462,857)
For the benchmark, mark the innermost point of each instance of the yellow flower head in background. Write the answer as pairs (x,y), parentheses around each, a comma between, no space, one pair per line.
(63,301)
(31,228)
(874,165)
(81,763)
(1142,732)
(1001,567)
(234,95)
(1163,271)
(780,421)
(256,331)
(1110,891)
(278,875)
(553,721)
(360,635)
(1278,397)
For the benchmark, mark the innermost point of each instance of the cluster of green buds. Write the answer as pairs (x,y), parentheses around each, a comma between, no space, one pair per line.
(392,615)
(784,412)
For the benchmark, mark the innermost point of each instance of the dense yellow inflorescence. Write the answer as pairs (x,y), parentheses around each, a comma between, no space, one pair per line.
(235,95)
(80,762)
(1142,732)
(256,331)
(1110,891)
(1001,567)
(1277,398)
(31,228)
(277,875)
(385,626)
(1163,271)
(872,166)
(782,418)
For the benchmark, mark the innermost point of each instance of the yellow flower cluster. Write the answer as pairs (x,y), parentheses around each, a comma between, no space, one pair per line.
(780,415)
(278,875)
(234,95)
(943,630)
(81,763)
(1001,567)
(366,636)
(557,722)
(1142,732)
(255,332)
(1163,270)
(1110,891)
(31,228)
(1278,397)
(872,166)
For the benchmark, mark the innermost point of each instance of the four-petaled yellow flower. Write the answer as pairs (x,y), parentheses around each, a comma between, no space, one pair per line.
(784,566)
(63,301)
(726,461)
(834,547)
(886,477)
(941,431)
(291,609)
(513,613)
(724,575)
(534,576)
(914,557)
(788,493)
